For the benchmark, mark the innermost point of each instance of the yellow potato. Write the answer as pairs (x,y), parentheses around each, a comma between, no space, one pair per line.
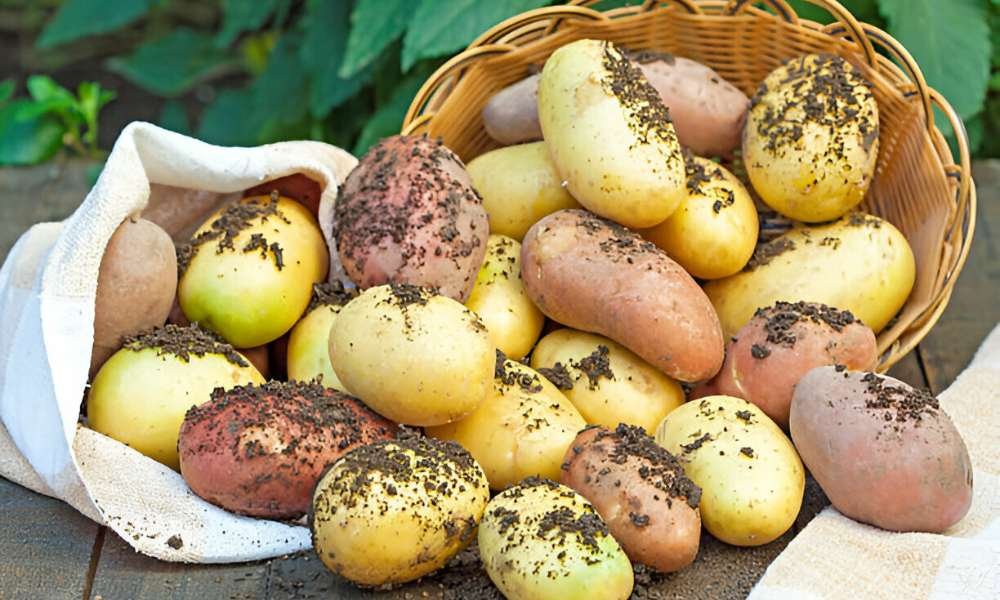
(609,134)
(750,476)
(498,297)
(859,263)
(605,381)
(308,355)
(713,232)
(519,186)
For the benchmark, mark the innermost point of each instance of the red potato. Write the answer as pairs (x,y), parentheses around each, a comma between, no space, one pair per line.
(594,275)
(296,186)
(259,358)
(511,116)
(884,453)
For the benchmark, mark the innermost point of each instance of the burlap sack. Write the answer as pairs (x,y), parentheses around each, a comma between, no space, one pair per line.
(47,288)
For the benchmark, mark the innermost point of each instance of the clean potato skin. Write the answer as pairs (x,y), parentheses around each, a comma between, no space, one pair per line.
(591,274)
(609,134)
(640,491)
(884,453)
(534,544)
(412,355)
(511,115)
(606,381)
(751,479)
(308,354)
(859,263)
(519,186)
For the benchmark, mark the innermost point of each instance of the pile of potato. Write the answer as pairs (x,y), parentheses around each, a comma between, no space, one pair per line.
(582,324)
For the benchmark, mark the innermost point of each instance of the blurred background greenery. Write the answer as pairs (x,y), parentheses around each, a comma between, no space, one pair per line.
(246,72)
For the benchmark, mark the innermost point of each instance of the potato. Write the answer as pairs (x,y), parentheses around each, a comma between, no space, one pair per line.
(308,353)
(605,381)
(519,186)
(260,358)
(782,343)
(859,263)
(259,450)
(884,453)
(511,116)
(640,491)
(140,395)
(136,286)
(811,140)
(609,134)
(593,275)
(713,232)
(498,297)
(414,356)
(298,187)
(393,511)
(543,541)
(750,477)
(249,270)
(523,429)
(408,214)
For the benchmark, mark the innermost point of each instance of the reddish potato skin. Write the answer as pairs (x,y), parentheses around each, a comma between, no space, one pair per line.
(898,475)
(259,358)
(408,214)
(511,116)
(594,275)
(259,450)
(296,186)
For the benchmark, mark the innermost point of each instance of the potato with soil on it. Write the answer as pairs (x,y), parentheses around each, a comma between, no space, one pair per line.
(594,275)
(394,511)
(259,450)
(640,491)
(408,214)
(884,453)
(307,356)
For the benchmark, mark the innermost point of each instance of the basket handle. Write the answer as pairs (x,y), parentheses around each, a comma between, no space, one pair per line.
(963,170)
(555,13)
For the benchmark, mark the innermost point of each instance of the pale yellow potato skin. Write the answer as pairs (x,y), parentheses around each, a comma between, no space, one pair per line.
(525,566)
(140,398)
(242,295)
(593,140)
(745,500)
(498,297)
(865,268)
(309,347)
(519,185)
(419,364)
(710,243)
(517,432)
(639,394)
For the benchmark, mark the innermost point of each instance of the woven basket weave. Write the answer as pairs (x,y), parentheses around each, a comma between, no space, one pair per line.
(918,185)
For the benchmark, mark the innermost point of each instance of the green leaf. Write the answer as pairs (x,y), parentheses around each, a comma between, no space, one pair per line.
(91,99)
(80,18)
(374,25)
(976,129)
(603,5)
(278,95)
(6,90)
(171,65)
(863,10)
(174,116)
(388,118)
(27,140)
(323,45)
(228,120)
(243,15)
(43,89)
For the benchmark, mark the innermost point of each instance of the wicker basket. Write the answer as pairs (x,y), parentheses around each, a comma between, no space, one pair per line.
(918,184)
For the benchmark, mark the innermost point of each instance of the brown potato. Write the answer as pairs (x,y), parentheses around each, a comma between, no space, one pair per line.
(884,453)
(511,116)
(296,186)
(259,357)
(591,274)
(640,491)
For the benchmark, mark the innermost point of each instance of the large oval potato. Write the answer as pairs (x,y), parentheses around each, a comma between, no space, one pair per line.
(408,214)
(883,452)
(308,354)
(594,275)
(859,263)
(609,134)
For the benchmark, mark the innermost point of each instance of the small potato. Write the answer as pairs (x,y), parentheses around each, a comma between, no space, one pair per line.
(640,491)
(605,381)
(519,186)
(394,511)
(713,232)
(884,453)
(511,116)
(308,354)
(543,541)
(523,429)
(259,450)
(751,479)
(413,356)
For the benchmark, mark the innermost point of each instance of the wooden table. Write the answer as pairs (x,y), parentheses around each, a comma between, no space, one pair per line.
(47,550)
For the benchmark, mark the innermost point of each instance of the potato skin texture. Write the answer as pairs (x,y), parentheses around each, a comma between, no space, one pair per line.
(511,115)
(609,134)
(721,440)
(902,469)
(408,214)
(589,274)
(413,356)
(519,186)
(637,394)
(859,263)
